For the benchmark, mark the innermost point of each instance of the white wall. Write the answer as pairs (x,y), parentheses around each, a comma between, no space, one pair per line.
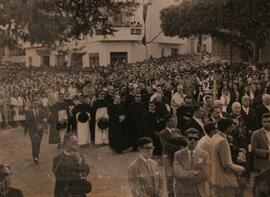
(31,52)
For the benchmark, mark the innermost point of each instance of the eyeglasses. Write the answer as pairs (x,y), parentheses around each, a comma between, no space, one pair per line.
(193,138)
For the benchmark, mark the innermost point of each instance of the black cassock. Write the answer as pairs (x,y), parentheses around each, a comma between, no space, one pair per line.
(13,192)
(97,104)
(54,136)
(135,123)
(118,136)
(68,173)
(150,127)
(183,114)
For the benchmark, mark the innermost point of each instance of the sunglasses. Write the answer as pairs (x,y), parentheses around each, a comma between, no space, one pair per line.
(193,138)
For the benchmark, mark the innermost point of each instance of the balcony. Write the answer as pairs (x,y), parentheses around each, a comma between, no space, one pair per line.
(121,34)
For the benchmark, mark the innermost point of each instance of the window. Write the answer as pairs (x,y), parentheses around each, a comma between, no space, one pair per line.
(76,59)
(2,51)
(119,57)
(60,60)
(174,51)
(45,60)
(136,31)
(94,59)
(17,52)
(121,20)
(204,47)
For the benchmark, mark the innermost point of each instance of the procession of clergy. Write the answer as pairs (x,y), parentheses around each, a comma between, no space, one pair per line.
(185,113)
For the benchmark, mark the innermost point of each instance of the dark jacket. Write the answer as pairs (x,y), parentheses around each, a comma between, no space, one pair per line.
(68,172)
(171,143)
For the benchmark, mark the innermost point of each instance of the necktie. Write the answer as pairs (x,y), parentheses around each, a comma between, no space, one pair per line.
(151,171)
(191,159)
(34,112)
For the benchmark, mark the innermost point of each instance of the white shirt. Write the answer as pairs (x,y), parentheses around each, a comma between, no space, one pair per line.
(199,121)
(246,109)
(189,154)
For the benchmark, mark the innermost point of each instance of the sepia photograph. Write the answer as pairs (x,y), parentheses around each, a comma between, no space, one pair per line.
(134,98)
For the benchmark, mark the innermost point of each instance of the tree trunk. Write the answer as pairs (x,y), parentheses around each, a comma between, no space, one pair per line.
(200,45)
(231,53)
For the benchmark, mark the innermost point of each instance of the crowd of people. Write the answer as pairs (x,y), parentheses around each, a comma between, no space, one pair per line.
(178,108)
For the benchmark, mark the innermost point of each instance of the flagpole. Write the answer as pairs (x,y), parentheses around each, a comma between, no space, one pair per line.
(146,44)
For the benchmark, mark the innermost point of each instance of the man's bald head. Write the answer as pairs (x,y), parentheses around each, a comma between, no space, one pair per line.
(266,99)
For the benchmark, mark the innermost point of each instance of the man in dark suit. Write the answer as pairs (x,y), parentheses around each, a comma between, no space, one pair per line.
(260,142)
(150,124)
(263,108)
(249,116)
(196,120)
(35,119)
(184,113)
(172,140)
(70,170)
(135,120)
(5,189)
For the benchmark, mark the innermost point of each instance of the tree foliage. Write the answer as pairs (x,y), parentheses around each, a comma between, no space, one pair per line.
(243,22)
(47,21)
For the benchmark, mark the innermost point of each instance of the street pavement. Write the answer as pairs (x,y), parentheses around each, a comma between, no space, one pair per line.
(108,170)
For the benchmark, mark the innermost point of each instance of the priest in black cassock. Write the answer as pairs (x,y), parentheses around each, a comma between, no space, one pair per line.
(71,104)
(82,106)
(109,95)
(118,136)
(82,111)
(135,120)
(100,111)
(58,120)
(150,124)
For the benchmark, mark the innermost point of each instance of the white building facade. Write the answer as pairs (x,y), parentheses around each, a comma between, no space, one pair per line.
(125,45)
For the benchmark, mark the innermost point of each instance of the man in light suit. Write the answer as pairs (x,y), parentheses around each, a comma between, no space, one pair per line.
(260,143)
(191,169)
(172,140)
(223,170)
(144,173)
(36,119)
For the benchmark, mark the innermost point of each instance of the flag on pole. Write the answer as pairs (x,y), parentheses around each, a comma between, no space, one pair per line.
(145,9)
